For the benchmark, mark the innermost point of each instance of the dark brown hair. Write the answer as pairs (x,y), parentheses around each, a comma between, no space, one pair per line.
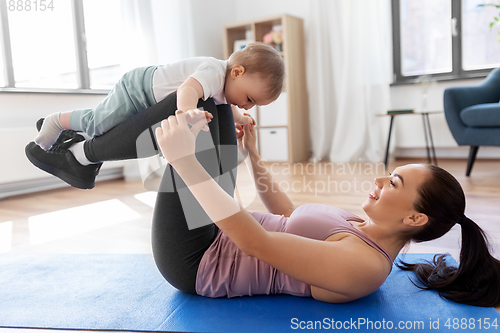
(476,281)
(264,60)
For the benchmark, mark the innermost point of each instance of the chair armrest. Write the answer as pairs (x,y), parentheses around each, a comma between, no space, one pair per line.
(456,99)
(481,115)
(453,104)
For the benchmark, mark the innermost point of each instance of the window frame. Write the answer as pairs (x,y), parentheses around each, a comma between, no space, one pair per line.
(457,73)
(83,76)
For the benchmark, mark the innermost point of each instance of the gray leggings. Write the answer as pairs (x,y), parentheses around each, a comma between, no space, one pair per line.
(177,250)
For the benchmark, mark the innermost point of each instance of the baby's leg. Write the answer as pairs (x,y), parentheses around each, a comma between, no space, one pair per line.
(50,133)
(52,126)
(64,119)
(131,95)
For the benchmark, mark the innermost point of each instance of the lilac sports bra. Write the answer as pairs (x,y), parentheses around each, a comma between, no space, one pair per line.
(225,271)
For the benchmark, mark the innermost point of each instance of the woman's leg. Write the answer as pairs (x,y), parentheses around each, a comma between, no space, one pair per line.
(228,149)
(181,231)
(177,249)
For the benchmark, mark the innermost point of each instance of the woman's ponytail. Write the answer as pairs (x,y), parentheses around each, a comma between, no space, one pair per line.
(476,281)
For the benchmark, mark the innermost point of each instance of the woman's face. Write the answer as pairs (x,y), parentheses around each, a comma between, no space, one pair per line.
(393,196)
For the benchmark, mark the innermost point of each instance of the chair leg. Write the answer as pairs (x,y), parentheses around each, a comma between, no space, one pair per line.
(472,159)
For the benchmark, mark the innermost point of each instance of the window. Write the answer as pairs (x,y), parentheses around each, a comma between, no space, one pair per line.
(480,43)
(103,27)
(448,39)
(70,44)
(44,56)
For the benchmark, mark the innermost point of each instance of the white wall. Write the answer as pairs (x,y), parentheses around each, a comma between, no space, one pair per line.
(209,18)
(249,10)
(202,35)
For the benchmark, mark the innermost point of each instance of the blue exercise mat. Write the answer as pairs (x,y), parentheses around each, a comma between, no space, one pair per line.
(127,293)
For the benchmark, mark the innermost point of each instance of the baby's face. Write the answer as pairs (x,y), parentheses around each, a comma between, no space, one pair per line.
(245,90)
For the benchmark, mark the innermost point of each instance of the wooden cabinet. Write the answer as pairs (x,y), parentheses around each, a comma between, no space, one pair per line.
(283,126)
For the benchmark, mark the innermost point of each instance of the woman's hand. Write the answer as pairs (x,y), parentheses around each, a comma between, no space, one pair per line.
(175,138)
(246,137)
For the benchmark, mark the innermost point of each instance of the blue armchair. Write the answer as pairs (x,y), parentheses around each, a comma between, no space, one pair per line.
(473,114)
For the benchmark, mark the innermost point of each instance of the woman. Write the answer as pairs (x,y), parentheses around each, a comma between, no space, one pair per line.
(416,202)
(314,250)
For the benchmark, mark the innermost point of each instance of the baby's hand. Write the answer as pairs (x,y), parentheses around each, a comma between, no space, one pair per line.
(246,119)
(195,115)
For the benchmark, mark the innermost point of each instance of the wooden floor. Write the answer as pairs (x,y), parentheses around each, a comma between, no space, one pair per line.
(115,217)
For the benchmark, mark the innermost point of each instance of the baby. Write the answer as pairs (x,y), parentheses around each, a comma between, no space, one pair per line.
(251,76)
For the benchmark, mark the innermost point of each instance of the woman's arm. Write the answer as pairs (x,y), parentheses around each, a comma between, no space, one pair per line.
(270,193)
(353,271)
(188,95)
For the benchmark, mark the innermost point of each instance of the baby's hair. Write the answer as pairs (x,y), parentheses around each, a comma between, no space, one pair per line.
(264,60)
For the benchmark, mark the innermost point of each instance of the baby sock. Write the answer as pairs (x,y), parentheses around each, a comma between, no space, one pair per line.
(79,153)
(49,132)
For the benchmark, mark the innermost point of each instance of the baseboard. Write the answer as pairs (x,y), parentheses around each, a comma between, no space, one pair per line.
(50,183)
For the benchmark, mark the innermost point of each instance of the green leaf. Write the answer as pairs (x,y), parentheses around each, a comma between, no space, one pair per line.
(496,19)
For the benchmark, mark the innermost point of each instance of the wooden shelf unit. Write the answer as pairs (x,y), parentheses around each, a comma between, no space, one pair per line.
(283,132)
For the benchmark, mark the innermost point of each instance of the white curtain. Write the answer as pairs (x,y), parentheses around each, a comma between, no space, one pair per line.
(349,60)
(173,26)
(155,32)
(138,38)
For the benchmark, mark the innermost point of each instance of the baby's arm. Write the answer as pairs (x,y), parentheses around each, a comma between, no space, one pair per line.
(188,94)
(236,114)
(242,119)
